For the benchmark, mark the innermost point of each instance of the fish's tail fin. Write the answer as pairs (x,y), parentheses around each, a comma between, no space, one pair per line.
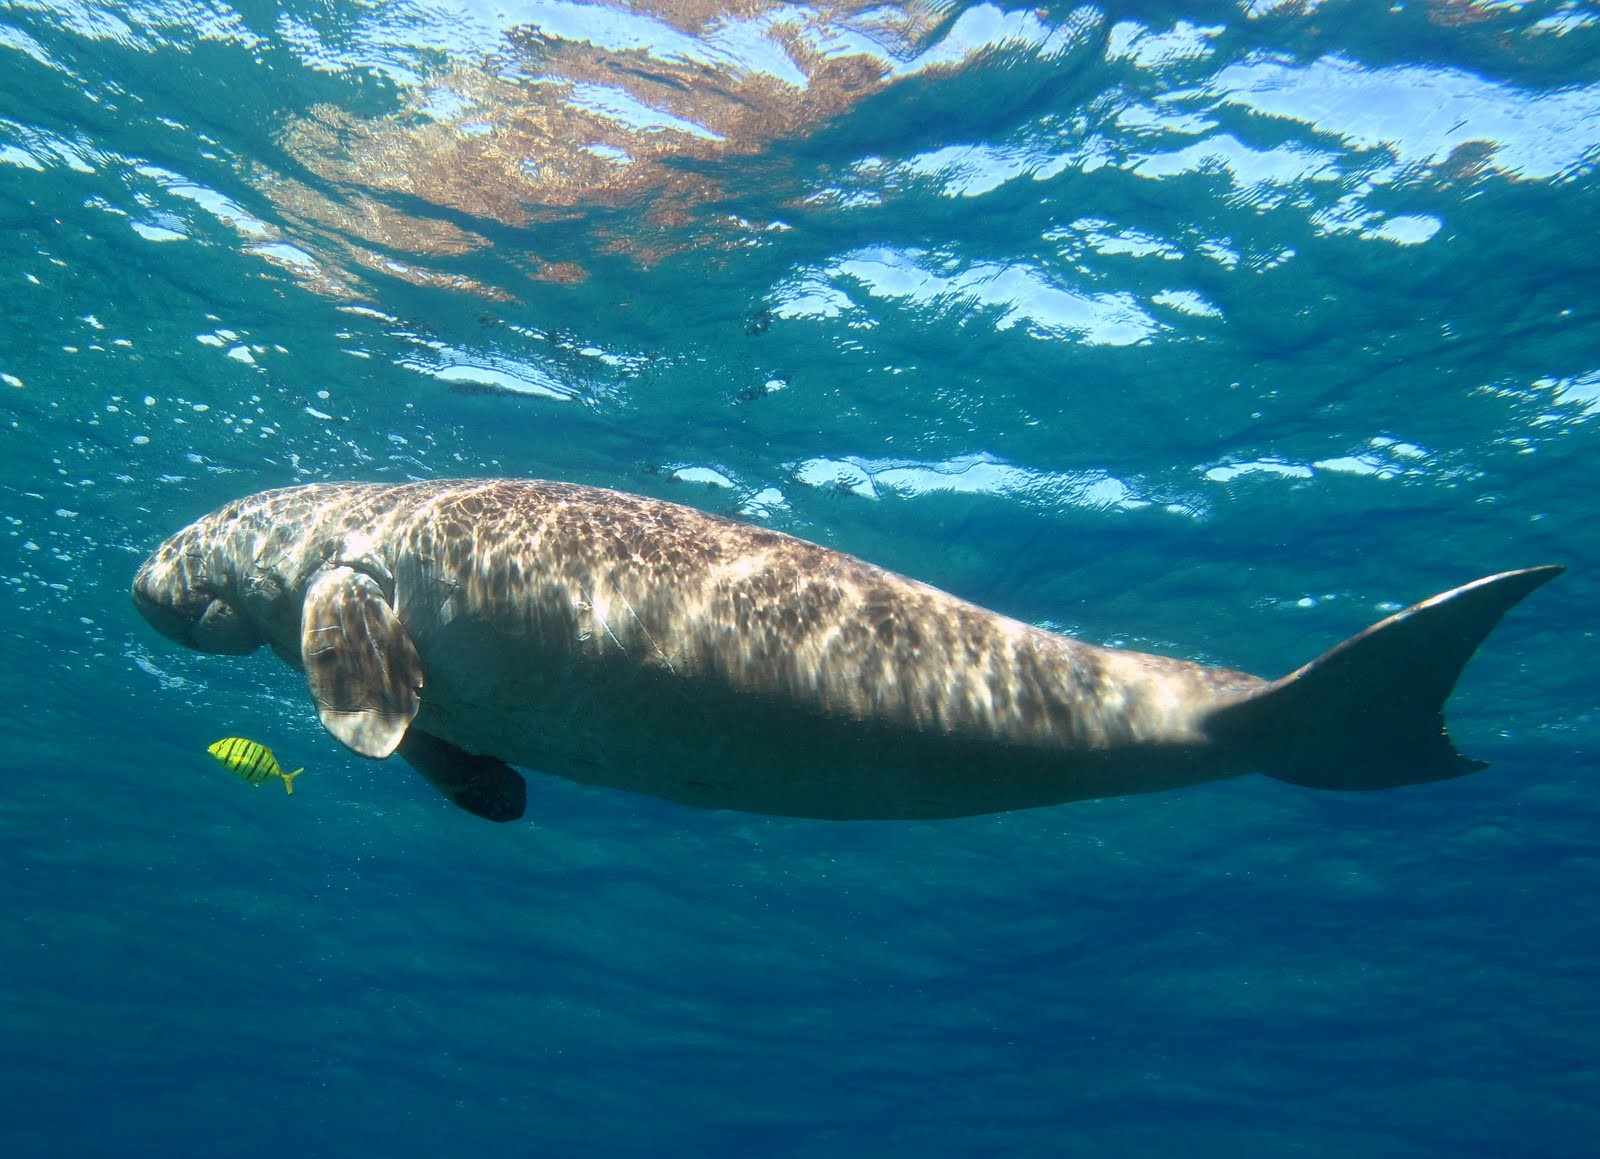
(288,780)
(1369,714)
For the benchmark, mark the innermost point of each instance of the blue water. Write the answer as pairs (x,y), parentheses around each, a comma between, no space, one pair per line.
(1212,329)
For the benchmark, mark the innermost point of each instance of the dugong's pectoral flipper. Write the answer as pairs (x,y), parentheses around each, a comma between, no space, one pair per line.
(485,786)
(365,676)
(359,660)
(1370,713)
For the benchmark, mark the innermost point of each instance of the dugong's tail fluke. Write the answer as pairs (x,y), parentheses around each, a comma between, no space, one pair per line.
(1369,713)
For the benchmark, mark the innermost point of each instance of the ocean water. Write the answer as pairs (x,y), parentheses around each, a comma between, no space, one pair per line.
(1212,329)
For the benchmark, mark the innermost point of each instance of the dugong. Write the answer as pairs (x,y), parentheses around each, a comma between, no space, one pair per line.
(618,640)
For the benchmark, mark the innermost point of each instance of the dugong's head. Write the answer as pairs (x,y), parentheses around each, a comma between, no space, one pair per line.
(188,593)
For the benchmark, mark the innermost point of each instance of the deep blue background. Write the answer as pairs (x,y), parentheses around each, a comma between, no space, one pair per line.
(1205,329)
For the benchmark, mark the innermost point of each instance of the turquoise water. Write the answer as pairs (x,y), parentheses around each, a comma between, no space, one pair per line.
(1217,330)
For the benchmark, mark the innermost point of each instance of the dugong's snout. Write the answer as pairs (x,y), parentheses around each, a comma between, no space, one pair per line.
(190,615)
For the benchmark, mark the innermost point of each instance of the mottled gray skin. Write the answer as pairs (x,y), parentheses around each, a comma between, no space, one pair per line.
(626,641)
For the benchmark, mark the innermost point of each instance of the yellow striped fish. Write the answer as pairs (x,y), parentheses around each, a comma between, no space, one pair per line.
(251,762)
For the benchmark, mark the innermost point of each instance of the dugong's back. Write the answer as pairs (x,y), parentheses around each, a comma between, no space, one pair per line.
(628,641)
